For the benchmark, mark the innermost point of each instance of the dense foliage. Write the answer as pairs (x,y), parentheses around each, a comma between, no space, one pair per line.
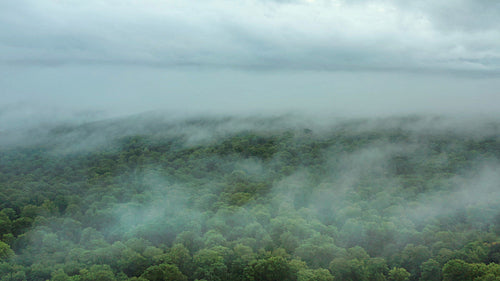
(252,199)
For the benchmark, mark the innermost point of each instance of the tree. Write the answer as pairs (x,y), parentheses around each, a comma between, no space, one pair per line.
(179,255)
(376,269)
(272,269)
(163,272)
(320,274)
(398,274)
(412,257)
(59,275)
(190,240)
(345,269)
(97,272)
(457,270)
(431,271)
(318,251)
(131,263)
(5,224)
(210,265)
(5,251)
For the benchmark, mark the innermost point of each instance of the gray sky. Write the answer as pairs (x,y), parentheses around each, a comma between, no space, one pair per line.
(352,57)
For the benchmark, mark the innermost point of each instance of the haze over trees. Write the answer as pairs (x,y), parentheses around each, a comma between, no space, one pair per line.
(246,177)
(252,198)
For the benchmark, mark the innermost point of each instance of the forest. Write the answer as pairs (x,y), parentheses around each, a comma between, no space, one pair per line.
(153,197)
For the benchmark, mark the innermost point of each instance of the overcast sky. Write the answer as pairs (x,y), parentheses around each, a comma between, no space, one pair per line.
(352,57)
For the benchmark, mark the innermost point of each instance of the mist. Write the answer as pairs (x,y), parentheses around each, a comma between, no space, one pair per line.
(121,91)
(251,140)
(127,196)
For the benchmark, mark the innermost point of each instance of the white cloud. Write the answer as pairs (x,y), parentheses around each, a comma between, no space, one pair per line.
(331,35)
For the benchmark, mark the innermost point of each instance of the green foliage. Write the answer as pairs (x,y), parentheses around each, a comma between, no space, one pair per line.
(97,272)
(5,251)
(271,269)
(461,270)
(457,270)
(398,274)
(163,272)
(210,265)
(320,274)
(204,199)
(318,251)
(431,271)
(348,269)
(59,275)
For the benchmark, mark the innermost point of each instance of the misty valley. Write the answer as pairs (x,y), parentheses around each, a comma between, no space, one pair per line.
(155,197)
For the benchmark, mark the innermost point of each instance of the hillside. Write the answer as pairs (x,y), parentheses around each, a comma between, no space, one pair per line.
(252,198)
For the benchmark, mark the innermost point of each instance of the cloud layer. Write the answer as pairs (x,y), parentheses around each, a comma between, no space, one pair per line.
(250,34)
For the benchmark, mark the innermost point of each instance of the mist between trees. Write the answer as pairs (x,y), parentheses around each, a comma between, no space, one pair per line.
(252,198)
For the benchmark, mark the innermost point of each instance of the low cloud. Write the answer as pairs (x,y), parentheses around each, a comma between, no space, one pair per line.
(304,35)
